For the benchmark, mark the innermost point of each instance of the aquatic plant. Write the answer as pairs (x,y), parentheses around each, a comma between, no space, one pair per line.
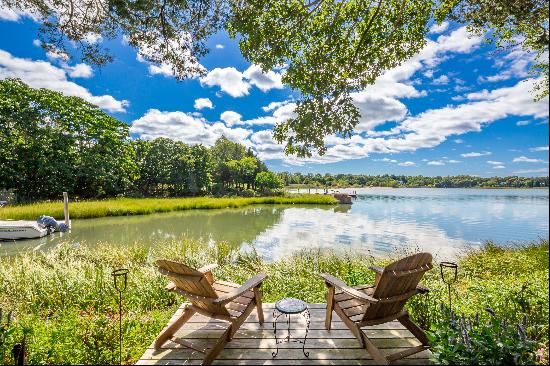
(144,206)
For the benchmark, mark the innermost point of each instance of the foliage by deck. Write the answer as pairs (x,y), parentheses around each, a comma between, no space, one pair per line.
(64,301)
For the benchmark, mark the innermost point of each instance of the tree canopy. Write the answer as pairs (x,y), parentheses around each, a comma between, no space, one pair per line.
(50,143)
(327,48)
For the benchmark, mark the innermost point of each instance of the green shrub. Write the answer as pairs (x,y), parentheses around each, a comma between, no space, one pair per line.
(468,341)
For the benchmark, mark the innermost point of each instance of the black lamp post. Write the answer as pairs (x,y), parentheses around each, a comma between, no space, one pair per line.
(452,268)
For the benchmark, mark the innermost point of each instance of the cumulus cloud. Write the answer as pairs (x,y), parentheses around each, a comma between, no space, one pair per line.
(201,103)
(407,163)
(219,46)
(523,123)
(442,80)
(79,71)
(475,154)
(229,79)
(436,163)
(42,74)
(538,148)
(492,162)
(525,159)
(263,81)
(237,84)
(184,127)
(439,28)
(230,118)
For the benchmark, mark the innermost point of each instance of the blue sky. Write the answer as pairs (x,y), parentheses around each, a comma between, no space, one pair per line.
(458,107)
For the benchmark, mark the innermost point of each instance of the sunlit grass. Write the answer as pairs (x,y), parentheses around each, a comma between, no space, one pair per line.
(65,300)
(144,206)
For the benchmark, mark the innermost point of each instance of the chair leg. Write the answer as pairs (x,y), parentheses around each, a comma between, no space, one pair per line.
(330,307)
(414,329)
(167,333)
(373,350)
(259,309)
(218,347)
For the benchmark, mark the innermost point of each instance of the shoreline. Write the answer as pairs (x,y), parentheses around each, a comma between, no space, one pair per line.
(146,206)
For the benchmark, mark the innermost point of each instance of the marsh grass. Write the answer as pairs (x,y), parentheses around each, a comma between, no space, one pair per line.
(65,303)
(144,206)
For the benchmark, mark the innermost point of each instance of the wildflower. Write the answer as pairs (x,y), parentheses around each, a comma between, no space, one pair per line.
(464,333)
(476,319)
(540,354)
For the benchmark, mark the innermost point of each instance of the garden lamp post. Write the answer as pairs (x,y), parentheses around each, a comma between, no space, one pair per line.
(120,279)
(449,280)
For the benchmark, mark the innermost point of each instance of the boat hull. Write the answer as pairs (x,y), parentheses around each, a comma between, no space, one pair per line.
(13,230)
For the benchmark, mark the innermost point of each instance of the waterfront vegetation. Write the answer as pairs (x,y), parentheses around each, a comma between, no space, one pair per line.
(144,206)
(65,305)
(299,180)
(52,143)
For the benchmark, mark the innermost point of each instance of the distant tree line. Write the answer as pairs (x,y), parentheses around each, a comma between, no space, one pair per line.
(51,143)
(390,180)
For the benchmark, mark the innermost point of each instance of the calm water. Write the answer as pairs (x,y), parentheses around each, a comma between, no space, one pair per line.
(380,221)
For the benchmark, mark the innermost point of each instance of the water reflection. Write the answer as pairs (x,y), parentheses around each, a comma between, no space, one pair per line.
(379,221)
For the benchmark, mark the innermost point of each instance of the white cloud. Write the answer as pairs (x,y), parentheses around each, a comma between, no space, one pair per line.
(237,84)
(231,118)
(201,103)
(36,42)
(499,167)
(281,112)
(452,161)
(407,163)
(439,28)
(538,148)
(184,127)
(525,159)
(459,141)
(219,46)
(229,79)
(475,154)
(523,123)
(42,74)
(492,162)
(386,160)
(180,45)
(79,71)
(436,162)
(442,80)
(263,81)
(11,15)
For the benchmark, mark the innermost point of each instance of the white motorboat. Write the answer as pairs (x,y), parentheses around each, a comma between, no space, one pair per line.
(23,229)
(20,229)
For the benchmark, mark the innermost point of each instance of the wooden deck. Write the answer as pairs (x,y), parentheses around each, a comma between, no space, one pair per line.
(253,344)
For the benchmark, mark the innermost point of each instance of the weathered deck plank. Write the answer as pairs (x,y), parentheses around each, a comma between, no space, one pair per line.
(253,343)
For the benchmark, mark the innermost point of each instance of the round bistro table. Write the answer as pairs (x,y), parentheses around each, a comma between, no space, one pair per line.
(288,307)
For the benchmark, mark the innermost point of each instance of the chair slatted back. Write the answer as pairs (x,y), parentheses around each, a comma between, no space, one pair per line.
(398,279)
(195,283)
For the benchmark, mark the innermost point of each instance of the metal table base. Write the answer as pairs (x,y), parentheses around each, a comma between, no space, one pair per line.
(276,315)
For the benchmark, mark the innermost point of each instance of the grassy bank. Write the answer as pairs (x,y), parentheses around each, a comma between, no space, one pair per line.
(144,206)
(64,300)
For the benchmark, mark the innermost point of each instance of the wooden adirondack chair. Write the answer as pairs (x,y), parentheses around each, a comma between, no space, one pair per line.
(215,299)
(382,302)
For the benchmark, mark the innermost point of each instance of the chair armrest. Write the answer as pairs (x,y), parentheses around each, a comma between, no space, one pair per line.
(251,283)
(329,279)
(377,269)
(207,268)
(171,286)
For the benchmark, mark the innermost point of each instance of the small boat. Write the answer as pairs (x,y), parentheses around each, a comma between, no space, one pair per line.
(23,229)
(20,229)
